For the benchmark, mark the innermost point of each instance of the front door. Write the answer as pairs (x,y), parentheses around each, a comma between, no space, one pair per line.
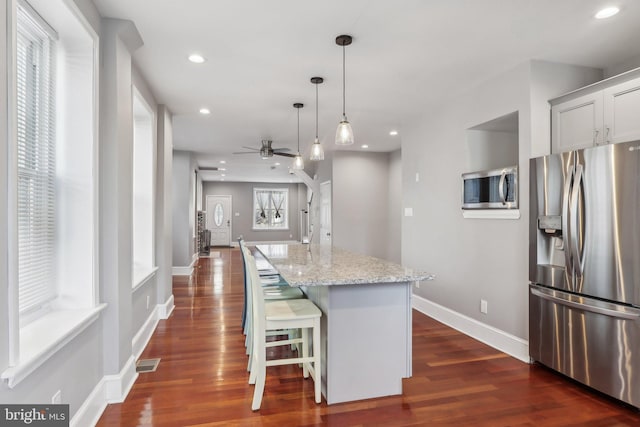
(325,213)
(219,220)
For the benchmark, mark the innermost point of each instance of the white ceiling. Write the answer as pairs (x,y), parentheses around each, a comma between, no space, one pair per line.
(405,58)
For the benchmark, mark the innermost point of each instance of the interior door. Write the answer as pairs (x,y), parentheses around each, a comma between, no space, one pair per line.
(219,220)
(325,213)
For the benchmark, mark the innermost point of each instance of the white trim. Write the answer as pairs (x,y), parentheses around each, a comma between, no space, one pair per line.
(74,321)
(496,338)
(142,337)
(165,309)
(145,279)
(185,271)
(181,271)
(92,408)
(117,386)
(491,213)
(108,387)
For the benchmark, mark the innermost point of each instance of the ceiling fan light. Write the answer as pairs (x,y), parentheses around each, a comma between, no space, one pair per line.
(298,163)
(317,152)
(344,133)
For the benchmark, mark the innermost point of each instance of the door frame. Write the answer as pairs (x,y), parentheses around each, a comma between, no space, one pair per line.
(206,216)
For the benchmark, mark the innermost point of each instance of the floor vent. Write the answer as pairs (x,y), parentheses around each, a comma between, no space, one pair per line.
(147,365)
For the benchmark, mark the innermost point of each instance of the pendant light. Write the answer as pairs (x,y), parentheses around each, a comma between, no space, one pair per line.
(298,163)
(344,133)
(317,153)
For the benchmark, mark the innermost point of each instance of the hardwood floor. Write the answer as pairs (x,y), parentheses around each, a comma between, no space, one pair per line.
(457,381)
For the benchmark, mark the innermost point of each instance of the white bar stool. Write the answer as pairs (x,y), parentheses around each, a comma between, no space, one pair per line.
(281,315)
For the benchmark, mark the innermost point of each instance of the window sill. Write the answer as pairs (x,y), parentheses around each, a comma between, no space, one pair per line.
(491,213)
(44,337)
(142,276)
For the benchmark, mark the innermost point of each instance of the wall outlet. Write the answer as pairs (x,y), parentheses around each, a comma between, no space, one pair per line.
(483,306)
(417,177)
(408,211)
(417,285)
(148,301)
(56,399)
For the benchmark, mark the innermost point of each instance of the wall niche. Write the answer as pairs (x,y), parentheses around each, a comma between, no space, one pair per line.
(493,144)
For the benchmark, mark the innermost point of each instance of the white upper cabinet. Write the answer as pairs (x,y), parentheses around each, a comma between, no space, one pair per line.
(622,112)
(604,113)
(577,123)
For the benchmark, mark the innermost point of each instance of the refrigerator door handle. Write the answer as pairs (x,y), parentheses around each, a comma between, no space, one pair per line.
(587,304)
(566,232)
(503,198)
(577,222)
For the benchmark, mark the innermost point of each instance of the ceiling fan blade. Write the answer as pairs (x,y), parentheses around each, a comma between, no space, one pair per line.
(245,152)
(283,154)
(251,148)
(282,149)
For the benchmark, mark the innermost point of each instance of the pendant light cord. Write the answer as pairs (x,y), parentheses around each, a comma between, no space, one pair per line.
(316,110)
(298,131)
(343,81)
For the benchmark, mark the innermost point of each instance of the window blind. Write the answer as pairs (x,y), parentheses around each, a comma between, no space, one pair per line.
(36,148)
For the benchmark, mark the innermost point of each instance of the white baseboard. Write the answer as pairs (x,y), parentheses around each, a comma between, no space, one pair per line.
(142,337)
(117,386)
(110,388)
(165,309)
(91,410)
(496,338)
(185,271)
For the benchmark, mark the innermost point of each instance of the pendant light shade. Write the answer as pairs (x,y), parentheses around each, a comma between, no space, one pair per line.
(344,133)
(317,152)
(298,162)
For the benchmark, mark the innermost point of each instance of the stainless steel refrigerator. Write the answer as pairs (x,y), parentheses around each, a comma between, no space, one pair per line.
(584,267)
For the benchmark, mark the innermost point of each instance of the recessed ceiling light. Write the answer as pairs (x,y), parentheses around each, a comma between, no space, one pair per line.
(222,169)
(607,12)
(221,179)
(223,175)
(393,133)
(364,146)
(196,58)
(277,164)
(205,111)
(223,161)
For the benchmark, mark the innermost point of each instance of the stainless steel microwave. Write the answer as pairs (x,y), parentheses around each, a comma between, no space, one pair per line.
(492,189)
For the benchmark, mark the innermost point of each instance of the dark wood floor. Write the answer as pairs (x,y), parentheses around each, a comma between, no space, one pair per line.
(457,381)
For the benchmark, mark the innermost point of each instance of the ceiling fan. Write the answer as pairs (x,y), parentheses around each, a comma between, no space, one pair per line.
(266,150)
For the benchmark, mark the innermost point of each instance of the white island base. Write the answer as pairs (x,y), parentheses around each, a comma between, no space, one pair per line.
(366,339)
(366,316)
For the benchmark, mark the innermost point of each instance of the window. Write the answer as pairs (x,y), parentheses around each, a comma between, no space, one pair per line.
(271,209)
(53,218)
(143,186)
(36,156)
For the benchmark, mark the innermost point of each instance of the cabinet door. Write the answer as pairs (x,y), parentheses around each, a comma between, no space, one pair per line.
(577,123)
(622,112)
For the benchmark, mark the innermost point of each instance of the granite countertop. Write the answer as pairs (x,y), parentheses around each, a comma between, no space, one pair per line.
(324,265)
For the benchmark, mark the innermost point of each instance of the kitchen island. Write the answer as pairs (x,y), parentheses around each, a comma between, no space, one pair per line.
(366,322)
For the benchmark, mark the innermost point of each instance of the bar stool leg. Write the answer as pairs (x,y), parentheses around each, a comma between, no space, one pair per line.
(317,369)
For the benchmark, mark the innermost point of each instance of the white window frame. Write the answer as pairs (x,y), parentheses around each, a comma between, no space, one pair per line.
(144,173)
(35,338)
(270,209)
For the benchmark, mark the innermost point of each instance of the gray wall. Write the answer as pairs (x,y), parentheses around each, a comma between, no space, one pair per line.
(182,205)
(360,202)
(394,227)
(242,204)
(477,258)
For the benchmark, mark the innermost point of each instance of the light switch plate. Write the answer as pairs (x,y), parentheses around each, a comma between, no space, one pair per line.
(408,211)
